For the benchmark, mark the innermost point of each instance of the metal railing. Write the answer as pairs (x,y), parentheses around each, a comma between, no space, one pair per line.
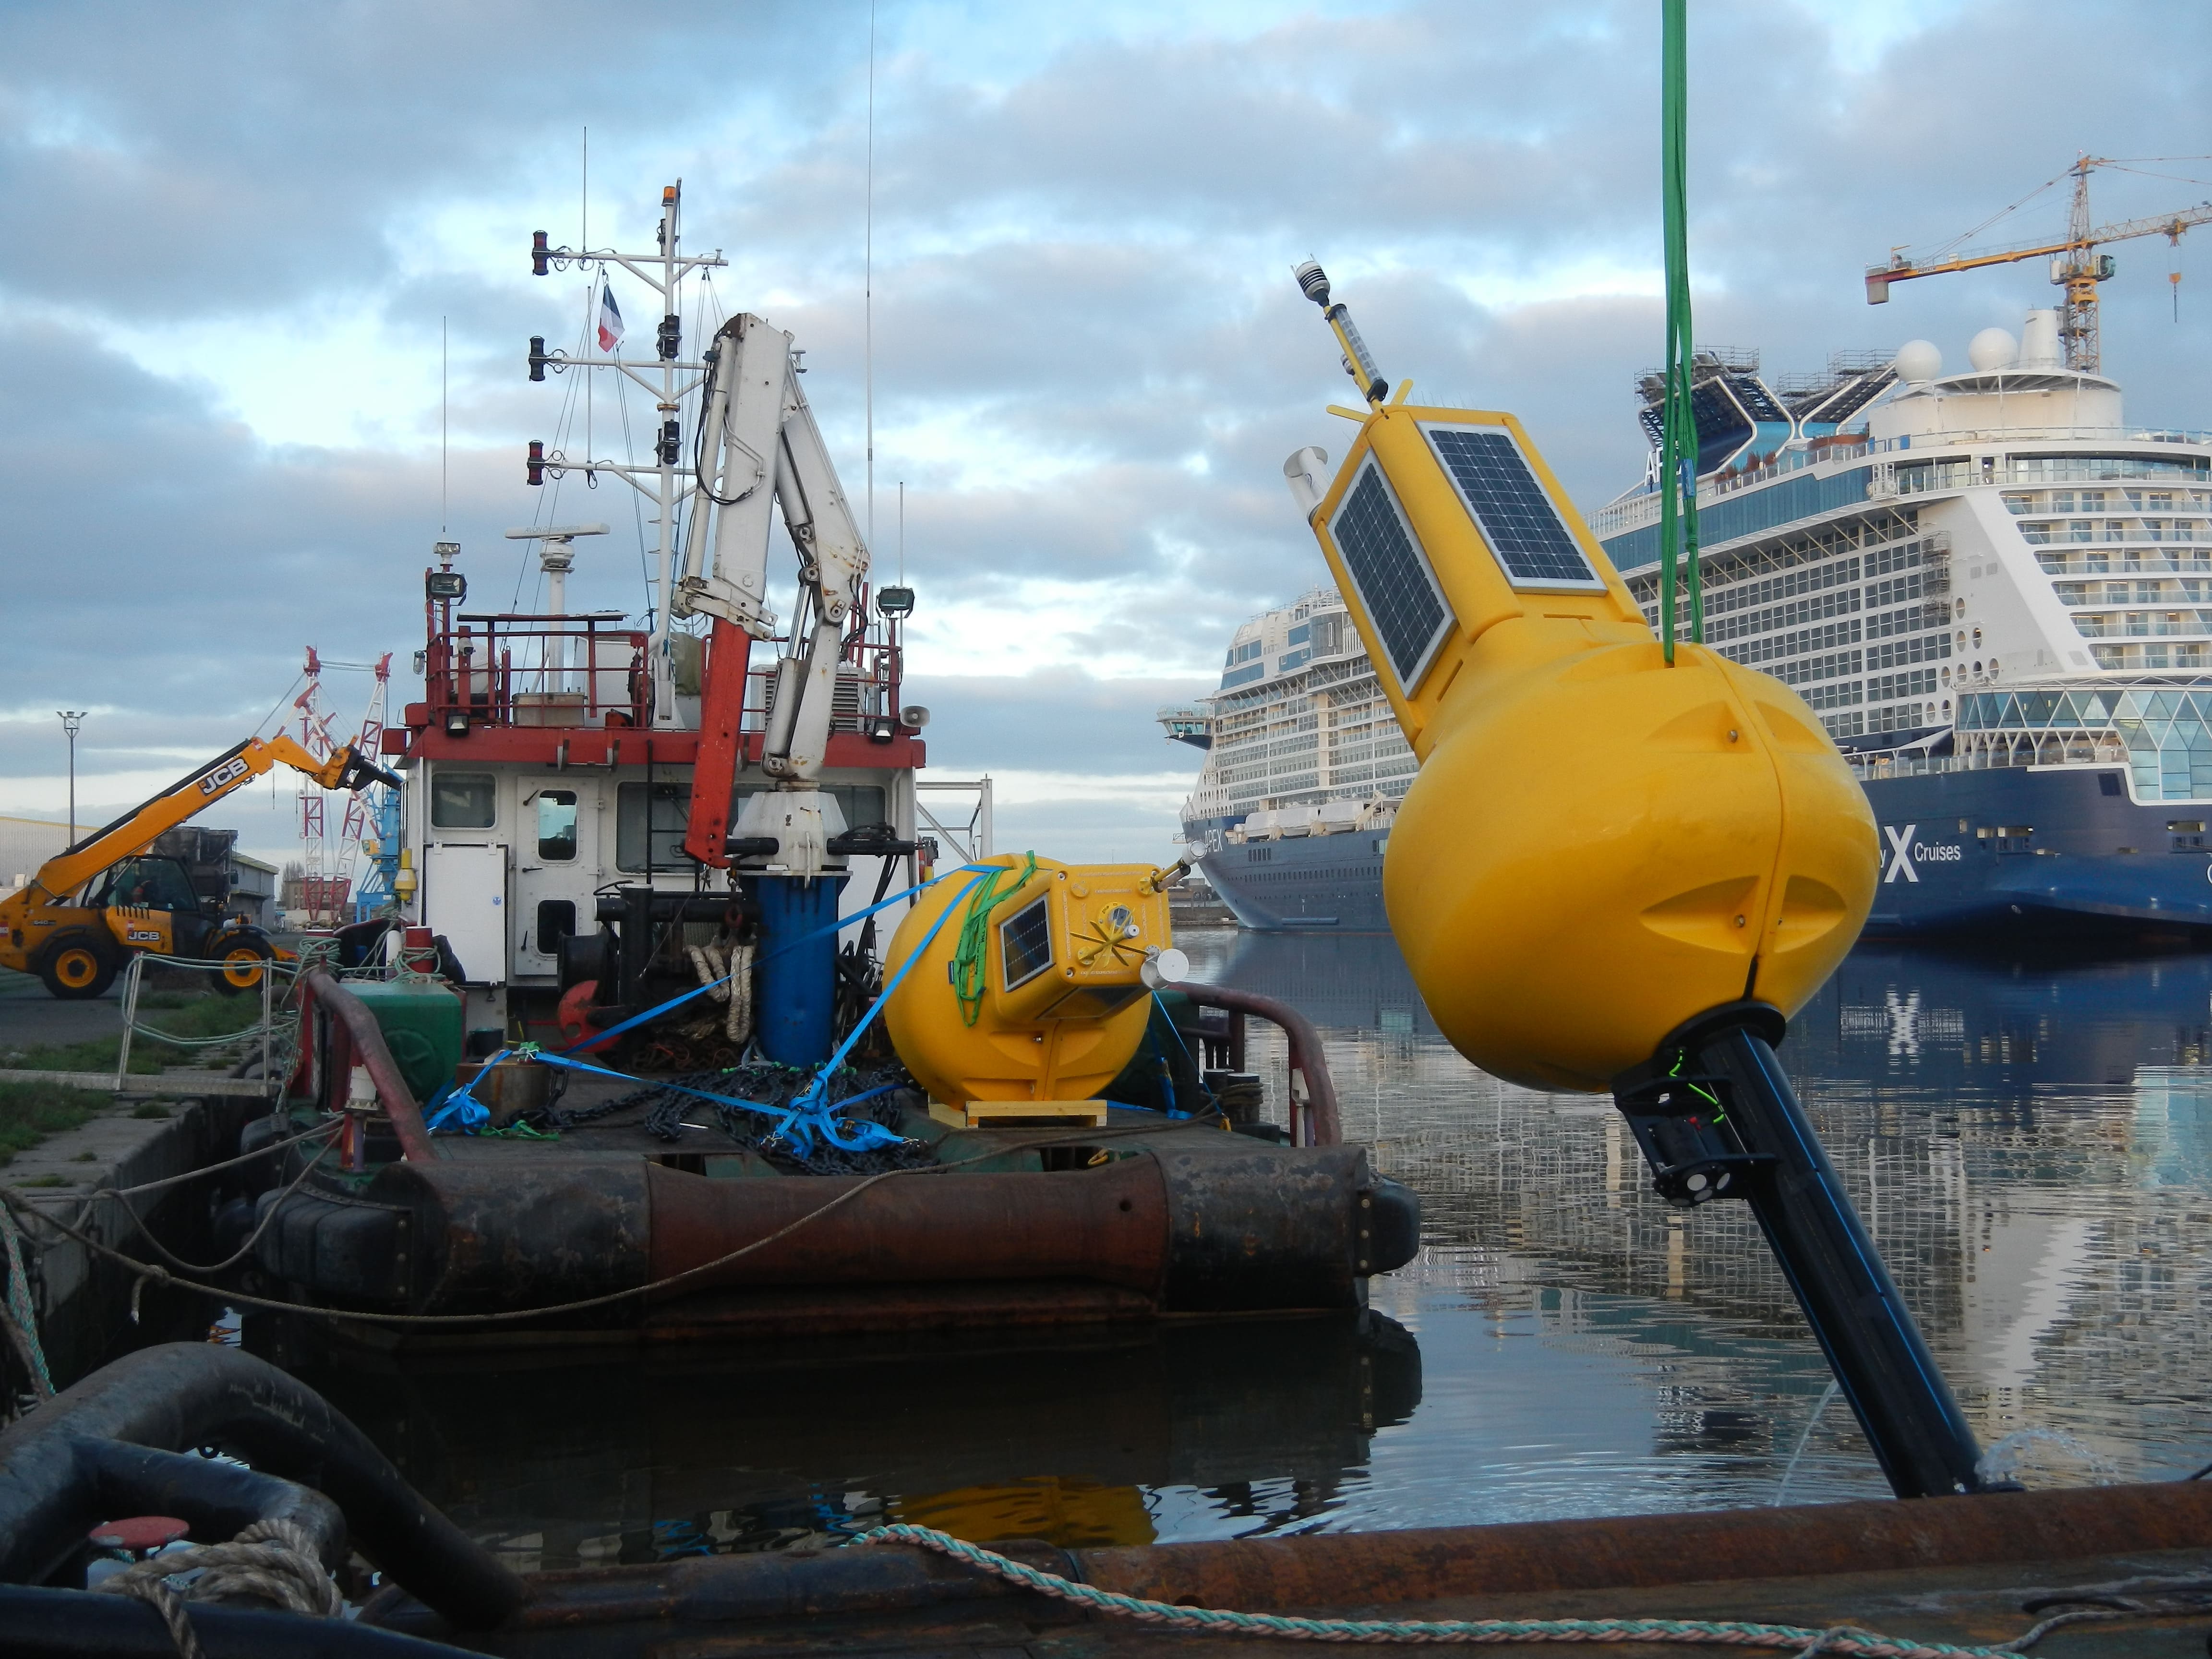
(587,670)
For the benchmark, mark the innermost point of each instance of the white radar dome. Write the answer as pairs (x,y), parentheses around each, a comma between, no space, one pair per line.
(1918,360)
(1993,348)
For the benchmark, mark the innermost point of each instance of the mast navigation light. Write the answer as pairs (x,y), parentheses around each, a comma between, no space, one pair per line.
(671,442)
(539,357)
(670,337)
(533,466)
(539,253)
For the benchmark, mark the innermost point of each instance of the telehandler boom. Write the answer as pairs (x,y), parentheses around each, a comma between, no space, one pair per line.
(90,907)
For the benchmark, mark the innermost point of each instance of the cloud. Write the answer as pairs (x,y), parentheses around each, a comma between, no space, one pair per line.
(233,235)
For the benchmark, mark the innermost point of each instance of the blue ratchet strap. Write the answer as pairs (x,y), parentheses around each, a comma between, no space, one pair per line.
(820,1083)
(784,1116)
(841,923)
(472,1113)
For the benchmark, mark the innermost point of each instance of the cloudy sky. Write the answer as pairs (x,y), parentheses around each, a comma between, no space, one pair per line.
(232,233)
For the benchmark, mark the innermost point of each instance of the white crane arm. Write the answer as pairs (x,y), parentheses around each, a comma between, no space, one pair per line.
(767,453)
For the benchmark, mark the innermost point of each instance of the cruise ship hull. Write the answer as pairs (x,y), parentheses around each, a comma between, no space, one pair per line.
(1954,861)
(1333,882)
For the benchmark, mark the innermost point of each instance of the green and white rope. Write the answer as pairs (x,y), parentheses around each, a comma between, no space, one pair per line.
(22,1314)
(1843,1639)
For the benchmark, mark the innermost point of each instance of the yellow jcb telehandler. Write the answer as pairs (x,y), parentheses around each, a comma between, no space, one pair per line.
(89,907)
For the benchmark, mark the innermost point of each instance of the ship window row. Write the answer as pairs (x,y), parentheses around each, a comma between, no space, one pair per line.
(2141,592)
(1836,603)
(2142,623)
(1737,596)
(2112,530)
(1928,647)
(1965,471)
(2024,504)
(2124,561)
(1729,577)
(1247,652)
(2150,656)
(1878,532)
(1779,645)
(1896,717)
(1910,620)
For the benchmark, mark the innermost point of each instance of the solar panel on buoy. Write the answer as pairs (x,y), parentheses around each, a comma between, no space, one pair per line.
(1511,507)
(1397,589)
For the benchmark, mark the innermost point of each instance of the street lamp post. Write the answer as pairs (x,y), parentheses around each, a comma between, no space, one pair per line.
(71,719)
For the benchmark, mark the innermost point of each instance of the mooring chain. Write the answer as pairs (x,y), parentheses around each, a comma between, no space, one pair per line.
(272,1561)
(1842,1639)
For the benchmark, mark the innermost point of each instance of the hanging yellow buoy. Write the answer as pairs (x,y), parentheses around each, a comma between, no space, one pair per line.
(1034,987)
(1598,846)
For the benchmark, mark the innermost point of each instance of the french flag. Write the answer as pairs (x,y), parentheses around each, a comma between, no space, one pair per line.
(611,322)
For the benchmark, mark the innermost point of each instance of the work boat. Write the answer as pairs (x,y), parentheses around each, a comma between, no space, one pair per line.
(1988,584)
(683,1027)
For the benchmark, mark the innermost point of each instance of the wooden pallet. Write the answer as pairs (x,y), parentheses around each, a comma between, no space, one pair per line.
(977,1114)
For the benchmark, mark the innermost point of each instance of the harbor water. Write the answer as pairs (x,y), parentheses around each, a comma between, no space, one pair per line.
(2029,1141)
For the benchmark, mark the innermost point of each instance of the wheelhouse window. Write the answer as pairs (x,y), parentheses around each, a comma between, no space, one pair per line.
(557,825)
(464,800)
(658,846)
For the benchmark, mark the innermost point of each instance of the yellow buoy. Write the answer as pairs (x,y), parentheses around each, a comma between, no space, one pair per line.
(1598,846)
(1033,988)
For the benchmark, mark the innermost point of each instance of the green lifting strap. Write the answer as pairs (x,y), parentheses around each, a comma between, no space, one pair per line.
(1678,453)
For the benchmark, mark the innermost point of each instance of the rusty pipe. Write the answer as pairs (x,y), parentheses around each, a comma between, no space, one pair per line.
(1108,1224)
(1441,1564)
(366,1038)
(1214,1224)
(1306,1056)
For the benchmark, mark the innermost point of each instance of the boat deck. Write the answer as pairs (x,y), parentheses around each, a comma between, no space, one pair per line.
(703,1147)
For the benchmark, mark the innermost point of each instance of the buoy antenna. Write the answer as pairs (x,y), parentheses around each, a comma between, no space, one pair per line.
(1358,362)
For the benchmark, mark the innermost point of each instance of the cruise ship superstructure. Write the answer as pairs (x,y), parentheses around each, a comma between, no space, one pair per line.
(1996,593)
(1304,767)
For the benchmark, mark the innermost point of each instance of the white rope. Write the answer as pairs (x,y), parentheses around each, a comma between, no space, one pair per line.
(272,1561)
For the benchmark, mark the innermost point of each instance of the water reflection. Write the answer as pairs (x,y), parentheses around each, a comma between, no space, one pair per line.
(2031,1144)
(578,1458)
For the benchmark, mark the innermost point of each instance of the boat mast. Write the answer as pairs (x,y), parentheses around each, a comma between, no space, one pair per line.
(665,482)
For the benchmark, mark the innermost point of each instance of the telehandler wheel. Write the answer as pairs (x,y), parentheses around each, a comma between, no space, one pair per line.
(245,958)
(76,967)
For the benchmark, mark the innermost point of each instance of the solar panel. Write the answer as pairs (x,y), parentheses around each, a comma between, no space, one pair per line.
(1396,584)
(1516,515)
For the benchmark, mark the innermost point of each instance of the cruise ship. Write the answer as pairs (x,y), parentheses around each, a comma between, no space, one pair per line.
(1994,591)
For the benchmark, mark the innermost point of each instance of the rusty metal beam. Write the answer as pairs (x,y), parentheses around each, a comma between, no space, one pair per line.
(1307,1058)
(366,1039)
(1372,1569)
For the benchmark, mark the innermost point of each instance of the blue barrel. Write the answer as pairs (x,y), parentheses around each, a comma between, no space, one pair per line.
(798,987)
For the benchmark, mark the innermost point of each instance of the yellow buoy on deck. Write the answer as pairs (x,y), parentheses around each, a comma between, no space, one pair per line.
(1033,988)
(1598,846)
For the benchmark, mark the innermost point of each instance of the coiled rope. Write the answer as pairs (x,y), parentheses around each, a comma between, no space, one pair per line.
(1845,1639)
(272,1561)
(970,953)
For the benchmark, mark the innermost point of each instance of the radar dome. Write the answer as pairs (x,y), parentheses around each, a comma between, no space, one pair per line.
(1992,348)
(1918,360)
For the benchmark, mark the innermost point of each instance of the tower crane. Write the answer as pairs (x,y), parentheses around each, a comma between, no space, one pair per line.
(2075,265)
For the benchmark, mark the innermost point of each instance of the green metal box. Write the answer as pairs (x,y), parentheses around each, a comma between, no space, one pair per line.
(421,1024)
